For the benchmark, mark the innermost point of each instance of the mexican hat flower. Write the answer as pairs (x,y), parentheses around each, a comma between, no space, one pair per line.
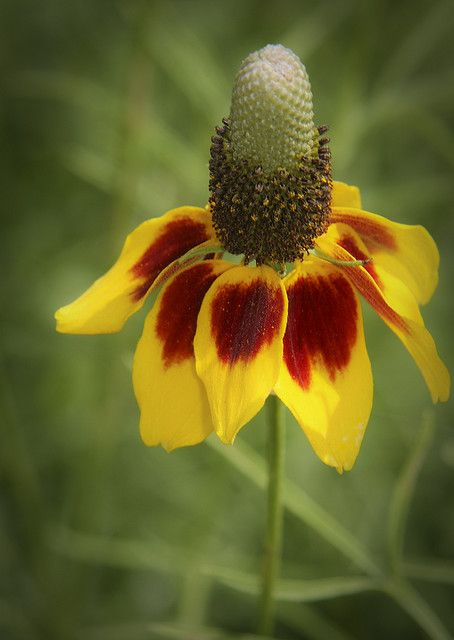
(259,291)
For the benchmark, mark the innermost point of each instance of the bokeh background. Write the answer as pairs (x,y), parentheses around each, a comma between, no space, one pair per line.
(107,112)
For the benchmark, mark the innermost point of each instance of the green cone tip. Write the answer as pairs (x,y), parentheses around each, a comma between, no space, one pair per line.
(271,115)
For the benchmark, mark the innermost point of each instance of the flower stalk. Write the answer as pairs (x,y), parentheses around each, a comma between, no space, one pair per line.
(273,540)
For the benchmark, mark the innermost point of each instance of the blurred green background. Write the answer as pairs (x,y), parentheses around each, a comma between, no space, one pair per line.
(107,112)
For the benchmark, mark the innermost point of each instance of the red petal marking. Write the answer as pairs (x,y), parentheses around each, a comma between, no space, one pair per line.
(180,305)
(321,326)
(365,284)
(349,244)
(372,232)
(176,238)
(245,317)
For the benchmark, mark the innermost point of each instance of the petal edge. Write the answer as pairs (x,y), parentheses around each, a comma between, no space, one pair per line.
(121,291)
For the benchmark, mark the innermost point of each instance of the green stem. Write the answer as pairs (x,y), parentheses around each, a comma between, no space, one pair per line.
(273,540)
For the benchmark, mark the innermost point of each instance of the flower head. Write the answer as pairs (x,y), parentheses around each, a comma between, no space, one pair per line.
(270,171)
(223,335)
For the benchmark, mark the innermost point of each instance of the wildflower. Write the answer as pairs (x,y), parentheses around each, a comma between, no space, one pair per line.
(225,332)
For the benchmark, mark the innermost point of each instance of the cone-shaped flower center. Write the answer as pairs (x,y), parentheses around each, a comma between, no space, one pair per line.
(271,115)
(270,173)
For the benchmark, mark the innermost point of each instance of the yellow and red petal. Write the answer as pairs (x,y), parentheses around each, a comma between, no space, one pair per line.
(397,294)
(345,195)
(150,248)
(396,305)
(172,399)
(326,378)
(407,251)
(238,344)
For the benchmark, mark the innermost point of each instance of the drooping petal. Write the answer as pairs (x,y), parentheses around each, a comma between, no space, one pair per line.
(393,301)
(326,378)
(172,398)
(397,294)
(108,303)
(345,195)
(407,251)
(238,344)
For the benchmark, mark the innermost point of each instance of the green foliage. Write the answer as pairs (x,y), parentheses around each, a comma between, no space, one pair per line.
(108,109)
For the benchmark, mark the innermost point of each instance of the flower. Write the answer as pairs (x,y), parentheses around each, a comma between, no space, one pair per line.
(225,332)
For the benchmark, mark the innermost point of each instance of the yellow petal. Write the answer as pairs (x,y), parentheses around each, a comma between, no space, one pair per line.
(108,303)
(407,251)
(395,303)
(238,344)
(326,378)
(172,399)
(397,294)
(345,195)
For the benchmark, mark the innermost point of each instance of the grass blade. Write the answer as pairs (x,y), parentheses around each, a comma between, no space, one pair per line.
(404,489)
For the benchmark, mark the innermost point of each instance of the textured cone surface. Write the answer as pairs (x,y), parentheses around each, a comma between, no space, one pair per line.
(270,168)
(272,103)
